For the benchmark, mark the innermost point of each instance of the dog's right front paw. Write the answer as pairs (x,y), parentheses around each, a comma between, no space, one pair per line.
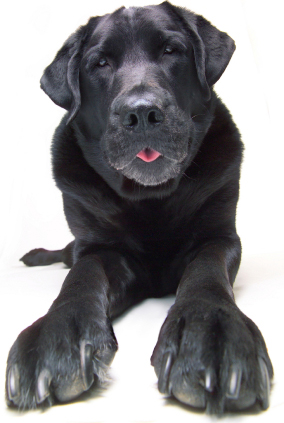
(54,360)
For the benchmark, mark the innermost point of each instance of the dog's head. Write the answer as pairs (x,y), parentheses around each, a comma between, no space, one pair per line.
(137,85)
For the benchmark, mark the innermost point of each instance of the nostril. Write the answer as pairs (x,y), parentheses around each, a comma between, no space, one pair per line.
(141,118)
(130,119)
(155,116)
(133,119)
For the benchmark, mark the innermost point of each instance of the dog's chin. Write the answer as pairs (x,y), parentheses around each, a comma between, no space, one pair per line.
(152,174)
(133,190)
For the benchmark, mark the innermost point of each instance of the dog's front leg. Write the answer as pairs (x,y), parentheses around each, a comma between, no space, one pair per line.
(60,355)
(209,354)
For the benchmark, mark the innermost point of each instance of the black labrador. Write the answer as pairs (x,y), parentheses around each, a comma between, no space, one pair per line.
(148,162)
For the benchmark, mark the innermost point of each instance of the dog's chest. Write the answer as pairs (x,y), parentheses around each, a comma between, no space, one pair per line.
(160,227)
(155,227)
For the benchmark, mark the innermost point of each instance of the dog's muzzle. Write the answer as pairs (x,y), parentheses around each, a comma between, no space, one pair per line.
(146,138)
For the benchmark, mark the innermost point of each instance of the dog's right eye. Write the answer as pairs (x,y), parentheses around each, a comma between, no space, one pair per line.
(92,62)
(102,62)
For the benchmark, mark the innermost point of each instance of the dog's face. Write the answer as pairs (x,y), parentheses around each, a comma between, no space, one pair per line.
(137,84)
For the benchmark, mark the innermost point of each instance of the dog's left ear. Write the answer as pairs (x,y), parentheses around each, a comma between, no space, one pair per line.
(213,49)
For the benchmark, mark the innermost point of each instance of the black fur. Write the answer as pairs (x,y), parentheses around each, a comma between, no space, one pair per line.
(139,82)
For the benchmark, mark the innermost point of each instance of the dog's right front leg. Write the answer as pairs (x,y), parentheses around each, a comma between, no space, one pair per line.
(60,355)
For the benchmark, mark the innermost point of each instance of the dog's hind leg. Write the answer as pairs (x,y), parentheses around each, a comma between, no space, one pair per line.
(42,257)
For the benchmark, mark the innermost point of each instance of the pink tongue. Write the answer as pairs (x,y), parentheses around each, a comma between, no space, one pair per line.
(148,155)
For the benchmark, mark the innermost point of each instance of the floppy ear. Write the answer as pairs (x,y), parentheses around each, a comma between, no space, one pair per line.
(213,49)
(219,48)
(60,80)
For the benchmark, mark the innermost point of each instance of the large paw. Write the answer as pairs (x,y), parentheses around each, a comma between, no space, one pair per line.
(212,357)
(57,359)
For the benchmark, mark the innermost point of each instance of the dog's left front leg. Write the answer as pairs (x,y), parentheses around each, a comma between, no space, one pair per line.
(209,354)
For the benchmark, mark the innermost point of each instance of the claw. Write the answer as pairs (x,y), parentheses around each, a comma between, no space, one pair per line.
(163,383)
(210,380)
(264,384)
(42,388)
(13,383)
(67,390)
(86,353)
(234,384)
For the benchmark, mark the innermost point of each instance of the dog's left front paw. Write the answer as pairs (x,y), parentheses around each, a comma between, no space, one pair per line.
(212,357)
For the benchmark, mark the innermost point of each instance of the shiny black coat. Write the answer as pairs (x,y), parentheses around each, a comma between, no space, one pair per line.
(148,162)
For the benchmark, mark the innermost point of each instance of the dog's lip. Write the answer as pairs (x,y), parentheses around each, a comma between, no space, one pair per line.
(148,155)
(128,162)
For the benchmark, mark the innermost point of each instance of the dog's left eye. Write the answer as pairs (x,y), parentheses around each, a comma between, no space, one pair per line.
(168,50)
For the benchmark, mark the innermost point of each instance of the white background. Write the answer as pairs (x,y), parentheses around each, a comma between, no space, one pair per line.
(31,212)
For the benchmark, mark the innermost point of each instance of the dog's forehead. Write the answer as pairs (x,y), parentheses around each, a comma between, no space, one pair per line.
(133,22)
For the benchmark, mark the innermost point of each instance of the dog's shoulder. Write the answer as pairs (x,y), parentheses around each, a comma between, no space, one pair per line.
(71,170)
(221,151)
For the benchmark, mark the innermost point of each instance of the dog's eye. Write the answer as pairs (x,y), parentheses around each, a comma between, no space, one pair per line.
(168,50)
(102,62)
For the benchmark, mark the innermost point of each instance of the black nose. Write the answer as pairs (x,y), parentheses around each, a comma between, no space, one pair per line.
(141,117)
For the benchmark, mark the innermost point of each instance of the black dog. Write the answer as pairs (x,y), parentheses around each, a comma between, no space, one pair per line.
(148,161)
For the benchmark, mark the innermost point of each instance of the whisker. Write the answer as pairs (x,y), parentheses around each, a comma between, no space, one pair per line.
(188,177)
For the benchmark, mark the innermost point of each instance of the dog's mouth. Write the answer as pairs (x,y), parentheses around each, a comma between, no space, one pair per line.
(148,155)
(149,167)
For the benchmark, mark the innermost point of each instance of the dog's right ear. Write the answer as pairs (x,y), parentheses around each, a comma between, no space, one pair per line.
(60,80)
